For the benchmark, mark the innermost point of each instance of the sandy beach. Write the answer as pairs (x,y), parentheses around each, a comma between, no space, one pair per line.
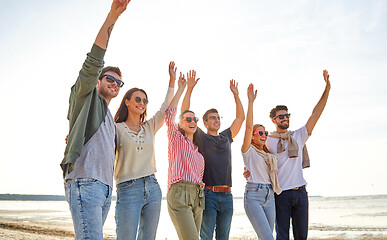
(35,231)
(330,218)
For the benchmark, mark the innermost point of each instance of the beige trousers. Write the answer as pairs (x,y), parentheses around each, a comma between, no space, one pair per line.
(185,206)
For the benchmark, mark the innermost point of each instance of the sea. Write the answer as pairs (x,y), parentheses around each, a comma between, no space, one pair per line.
(355,217)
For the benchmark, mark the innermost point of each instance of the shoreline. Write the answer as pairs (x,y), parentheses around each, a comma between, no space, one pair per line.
(16,230)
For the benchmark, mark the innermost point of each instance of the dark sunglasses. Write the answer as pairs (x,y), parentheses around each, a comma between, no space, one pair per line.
(189,119)
(144,100)
(282,116)
(112,79)
(214,117)
(261,133)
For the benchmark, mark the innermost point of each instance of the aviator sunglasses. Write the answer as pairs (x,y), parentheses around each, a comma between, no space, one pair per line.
(189,119)
(144,100)
(214,117)
(111,79)
(282,116)
(261,133)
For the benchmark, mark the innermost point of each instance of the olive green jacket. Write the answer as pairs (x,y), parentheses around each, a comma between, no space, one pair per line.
(87,109)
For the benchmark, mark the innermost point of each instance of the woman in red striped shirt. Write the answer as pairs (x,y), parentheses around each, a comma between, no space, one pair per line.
(185,196)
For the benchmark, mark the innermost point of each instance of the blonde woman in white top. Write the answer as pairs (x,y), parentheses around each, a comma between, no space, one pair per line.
(138,192)
(259,195)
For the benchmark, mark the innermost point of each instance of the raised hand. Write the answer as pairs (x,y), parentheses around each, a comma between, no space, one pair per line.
(234,87)
(326,78)
(172,71)
(251,94)
(182,81)
(118,7)
(191,79)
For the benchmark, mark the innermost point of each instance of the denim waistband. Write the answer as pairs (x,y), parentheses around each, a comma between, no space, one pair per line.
(260,185)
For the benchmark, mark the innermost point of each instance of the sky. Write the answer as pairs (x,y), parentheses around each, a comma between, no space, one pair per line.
(280,46)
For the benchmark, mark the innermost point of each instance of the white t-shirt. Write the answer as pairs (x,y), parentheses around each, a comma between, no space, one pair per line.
(289,169)
(259,172)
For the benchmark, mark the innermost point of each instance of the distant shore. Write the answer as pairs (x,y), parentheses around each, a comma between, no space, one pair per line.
(15,230)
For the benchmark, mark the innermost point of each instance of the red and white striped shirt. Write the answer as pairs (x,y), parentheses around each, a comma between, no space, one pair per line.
(185,161)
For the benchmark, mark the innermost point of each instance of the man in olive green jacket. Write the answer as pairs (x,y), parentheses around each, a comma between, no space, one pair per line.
(90,152)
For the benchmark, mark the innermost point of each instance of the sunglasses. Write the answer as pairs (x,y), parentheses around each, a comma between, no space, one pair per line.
(190,119)
(111,79)
(144,100)
(214,117)
(282,116)
(261,133)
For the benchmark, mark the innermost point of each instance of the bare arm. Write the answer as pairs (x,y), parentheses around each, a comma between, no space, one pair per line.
(175,100)
(118,7)
(318,109)
(191,83)
(251,95)
(240,114)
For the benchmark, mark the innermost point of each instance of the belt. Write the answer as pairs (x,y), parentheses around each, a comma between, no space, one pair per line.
(218,189)
(298,188)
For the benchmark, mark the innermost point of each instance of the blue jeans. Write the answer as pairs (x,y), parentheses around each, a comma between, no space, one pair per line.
(89,202)
(138,207)
(218,212)
(260,208)
(292,204)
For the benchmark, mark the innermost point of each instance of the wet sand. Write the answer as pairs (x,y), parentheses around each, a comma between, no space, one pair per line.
(20,231)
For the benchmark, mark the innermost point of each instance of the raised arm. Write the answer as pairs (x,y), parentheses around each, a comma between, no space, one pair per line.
(157,120)
(318,109)
(181,85)
(191,83)
(172,74)
(118,7)
(251,95)
(240,114)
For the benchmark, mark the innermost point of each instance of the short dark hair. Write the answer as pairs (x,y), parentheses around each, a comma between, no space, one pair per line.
(205,115)
(110,69)
(274,111)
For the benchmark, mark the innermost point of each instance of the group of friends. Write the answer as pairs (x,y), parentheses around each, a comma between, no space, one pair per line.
(101,147)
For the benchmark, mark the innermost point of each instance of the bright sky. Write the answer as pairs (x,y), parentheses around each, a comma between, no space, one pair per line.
(281,46)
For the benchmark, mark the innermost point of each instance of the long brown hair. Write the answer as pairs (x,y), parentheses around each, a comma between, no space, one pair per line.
(254,128)
(181,116)
(122,112)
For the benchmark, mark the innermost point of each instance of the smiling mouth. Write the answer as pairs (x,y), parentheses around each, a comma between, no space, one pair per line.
(113,89)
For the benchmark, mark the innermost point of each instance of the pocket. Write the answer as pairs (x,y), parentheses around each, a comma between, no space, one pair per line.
(153,178)
(251,187)
(93,193)
(126,184)
(207,192)
(175,195)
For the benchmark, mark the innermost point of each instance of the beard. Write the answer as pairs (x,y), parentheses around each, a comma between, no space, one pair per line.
(283,126)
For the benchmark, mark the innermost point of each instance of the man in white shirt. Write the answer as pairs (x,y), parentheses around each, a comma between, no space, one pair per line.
(288,146)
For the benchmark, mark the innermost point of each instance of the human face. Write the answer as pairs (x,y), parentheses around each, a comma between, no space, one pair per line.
(188,127)
(108,90)
(135,106)
(257,139)
(281,123)
(213,122)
